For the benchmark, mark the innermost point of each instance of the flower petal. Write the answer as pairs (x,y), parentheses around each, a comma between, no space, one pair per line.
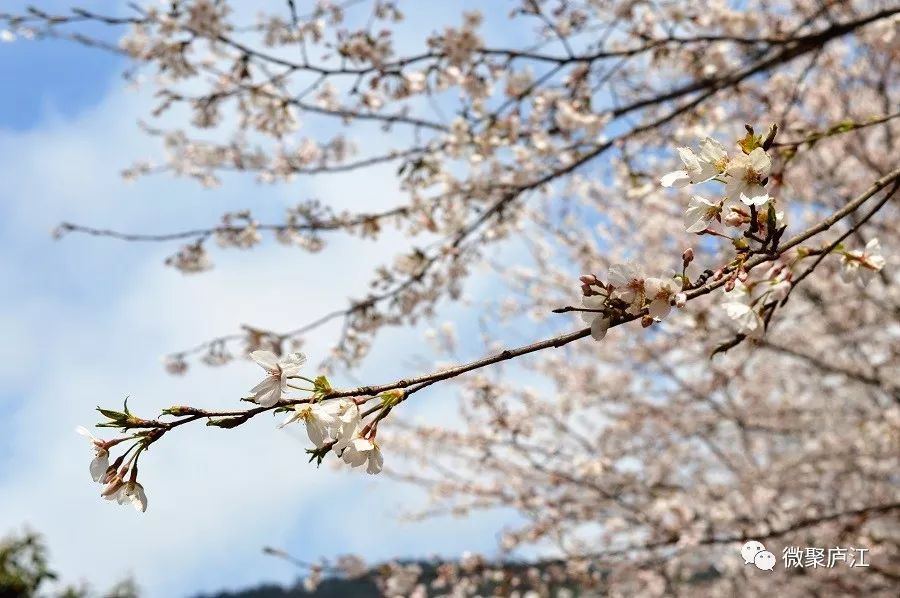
(138,498)
(754,195)
(99,465)
(703,173)
(269,395)
(85,432)
(760,161)
(376,462)
(599,327)
(266,359)
(676,178)
(291,363)
(316,432)
(712,151)
(659,308)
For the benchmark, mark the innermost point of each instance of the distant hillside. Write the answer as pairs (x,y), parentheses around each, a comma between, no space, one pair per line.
(363,587)
(329,588)
(366,587)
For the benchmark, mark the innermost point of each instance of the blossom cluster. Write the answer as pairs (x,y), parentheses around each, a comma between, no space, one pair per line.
(119,479)
(745,176)
(331,424)
(628,291)
(747,204)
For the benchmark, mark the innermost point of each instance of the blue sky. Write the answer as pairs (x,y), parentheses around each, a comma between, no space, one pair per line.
(85,321)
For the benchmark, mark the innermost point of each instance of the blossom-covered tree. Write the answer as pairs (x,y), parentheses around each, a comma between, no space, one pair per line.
(712,188)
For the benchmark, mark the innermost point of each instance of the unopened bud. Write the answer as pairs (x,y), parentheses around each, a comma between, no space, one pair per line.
(770,137)
(112,487)
(646,321)
(718,274)
(680,300)
(729,286)
(108,475)
(688,256)
(588,279)
(733,219)
(742,275)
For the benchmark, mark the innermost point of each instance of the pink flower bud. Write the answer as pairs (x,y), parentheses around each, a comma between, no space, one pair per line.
(688,256)
(733,219)
(729,286)
(112,487)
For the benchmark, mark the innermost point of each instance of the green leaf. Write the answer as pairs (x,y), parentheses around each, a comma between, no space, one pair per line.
(750,142)
(228,422)
(113,415)
(740,244)
(322,384)
(318,454)
(391,398)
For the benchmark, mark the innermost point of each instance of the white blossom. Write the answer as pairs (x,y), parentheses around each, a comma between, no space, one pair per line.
(100,462)
(697,169)
(700,213)
(598,321)
(363,450)
(746,174)
(127,493)
(628,280)
(713,153)
(335,420)
(749,322)
(741,311)
(861,265)
(661,292)
(269,391)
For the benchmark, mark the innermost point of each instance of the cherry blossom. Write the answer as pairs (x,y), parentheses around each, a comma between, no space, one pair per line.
(700,213)
(124,493)
(598,321)
(628,282)
(363,450)
(711,162)
(100,462)
(269,391)
(328,421)
(747,176)
(662,293)
(739,305)
(862,265)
